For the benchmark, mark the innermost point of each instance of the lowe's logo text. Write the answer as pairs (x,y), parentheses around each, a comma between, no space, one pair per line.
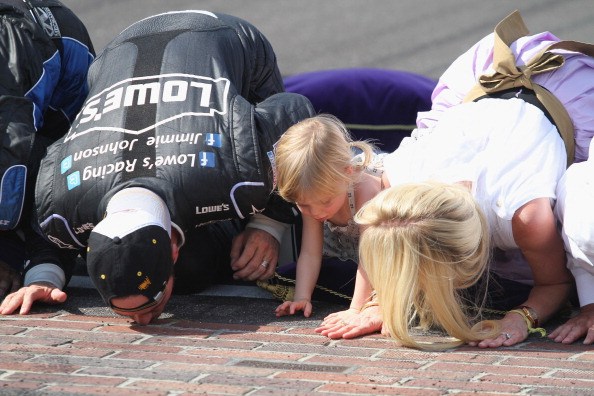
(176,95)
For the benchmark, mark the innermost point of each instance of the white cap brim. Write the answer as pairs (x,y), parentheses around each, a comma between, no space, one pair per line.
(131,209)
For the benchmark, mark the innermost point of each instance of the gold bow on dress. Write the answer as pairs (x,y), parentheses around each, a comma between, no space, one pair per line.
(508,75)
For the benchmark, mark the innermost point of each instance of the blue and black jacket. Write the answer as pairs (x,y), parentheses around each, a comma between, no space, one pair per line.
(45,53)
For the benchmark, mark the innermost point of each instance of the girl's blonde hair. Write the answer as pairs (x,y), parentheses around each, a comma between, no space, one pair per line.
(421,244)
(313,157)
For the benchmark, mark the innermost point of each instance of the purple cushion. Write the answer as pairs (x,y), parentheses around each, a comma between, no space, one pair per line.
(374,103)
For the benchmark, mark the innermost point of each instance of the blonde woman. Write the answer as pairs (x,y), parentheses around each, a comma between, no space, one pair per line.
(424,243)
(329,177)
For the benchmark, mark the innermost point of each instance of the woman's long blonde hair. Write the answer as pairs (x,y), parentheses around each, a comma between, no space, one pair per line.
(313,157)
(422,243)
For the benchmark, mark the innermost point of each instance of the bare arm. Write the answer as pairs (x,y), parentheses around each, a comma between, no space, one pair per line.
(308,268)
(362,290)
(536,234)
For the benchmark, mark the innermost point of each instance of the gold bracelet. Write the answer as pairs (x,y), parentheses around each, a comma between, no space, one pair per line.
(371,301)
(530,314)
(529,322)
(369,304)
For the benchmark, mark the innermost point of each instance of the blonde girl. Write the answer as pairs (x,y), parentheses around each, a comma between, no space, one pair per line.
(318,168)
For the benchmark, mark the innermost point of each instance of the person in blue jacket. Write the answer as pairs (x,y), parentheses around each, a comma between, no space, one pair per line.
(45,53)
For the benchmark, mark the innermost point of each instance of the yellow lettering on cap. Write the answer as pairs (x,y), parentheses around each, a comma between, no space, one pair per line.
(154,241)
(145,284)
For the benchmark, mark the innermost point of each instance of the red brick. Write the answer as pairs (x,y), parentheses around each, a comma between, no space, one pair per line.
(65,379)
(228,327)
(339,378)
(586,356)
(53,324)
(10,329)
(69,349)
(171,386)
(116,338)
(213,369)
(556,391)
(370,342)
(276,337)
(283,385)
(352,361)
(540,381)
(31,339)
(20,356)
(407,374)
(462,385)
(171,357)
(243,354)
(156,330)
(482,358)
(29,316)
(304,348)
(270,391)
(117,320)
(38,367)
(579,374)
(522,361)
(107,346)
(377,390)
(23,387)
(101,390)
(124,329)
(202,343)
(483,393)
(481,368)
(153,373)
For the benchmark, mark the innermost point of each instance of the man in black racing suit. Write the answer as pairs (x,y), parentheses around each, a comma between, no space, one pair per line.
(45,53)
(183,112)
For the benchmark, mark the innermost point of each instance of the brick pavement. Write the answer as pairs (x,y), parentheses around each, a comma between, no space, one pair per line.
(80,350)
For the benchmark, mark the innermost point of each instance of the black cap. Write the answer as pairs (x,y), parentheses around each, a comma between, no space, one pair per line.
(139,262)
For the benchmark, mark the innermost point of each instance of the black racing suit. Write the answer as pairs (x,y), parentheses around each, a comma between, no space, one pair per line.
(187,104)
(45,53)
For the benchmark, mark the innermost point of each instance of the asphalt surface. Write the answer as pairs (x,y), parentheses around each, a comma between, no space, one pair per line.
(414,35)
(227,339)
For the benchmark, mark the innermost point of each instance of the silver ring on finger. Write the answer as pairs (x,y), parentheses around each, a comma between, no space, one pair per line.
(506,335)
(264,264)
